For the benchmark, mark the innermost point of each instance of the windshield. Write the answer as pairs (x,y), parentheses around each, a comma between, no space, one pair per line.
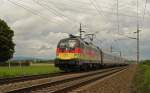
(72,43)
(68,44)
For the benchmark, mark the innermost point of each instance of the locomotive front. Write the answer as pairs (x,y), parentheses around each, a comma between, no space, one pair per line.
(68,54)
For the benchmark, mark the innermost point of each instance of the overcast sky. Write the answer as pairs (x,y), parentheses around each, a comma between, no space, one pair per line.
(40,24)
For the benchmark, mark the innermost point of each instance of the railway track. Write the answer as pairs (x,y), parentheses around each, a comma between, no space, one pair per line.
(26,78)
(66,84)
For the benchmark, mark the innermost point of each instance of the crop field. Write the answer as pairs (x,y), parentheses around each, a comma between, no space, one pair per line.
(27,70)
(142,78)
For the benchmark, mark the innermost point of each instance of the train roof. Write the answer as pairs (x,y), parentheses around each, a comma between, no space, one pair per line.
(83,41)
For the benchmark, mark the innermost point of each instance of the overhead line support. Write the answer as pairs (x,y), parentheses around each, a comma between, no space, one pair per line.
(138,36)
(81,31)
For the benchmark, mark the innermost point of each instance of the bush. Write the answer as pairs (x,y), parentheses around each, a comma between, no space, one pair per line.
(146,62)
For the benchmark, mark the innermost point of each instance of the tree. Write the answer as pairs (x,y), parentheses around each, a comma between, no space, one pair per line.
(6,42)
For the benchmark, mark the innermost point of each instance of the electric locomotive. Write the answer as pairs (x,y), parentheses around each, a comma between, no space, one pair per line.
(74,53)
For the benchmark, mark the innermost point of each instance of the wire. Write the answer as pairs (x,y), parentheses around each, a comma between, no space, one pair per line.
(96,7)
(144,12)
(137,14)
(118,14)
(100,11)
(47,8)
(33,12)
(59,11)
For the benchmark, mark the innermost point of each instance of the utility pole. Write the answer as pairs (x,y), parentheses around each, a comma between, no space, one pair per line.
(81,31)
(138,38)
(138,45)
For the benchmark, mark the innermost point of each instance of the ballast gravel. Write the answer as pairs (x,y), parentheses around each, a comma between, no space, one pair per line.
(120,82)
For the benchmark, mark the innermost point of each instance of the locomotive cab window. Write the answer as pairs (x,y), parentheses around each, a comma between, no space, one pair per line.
(72,43)
(62,44)
(69,43)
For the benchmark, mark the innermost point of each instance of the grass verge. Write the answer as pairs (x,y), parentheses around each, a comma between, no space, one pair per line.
(142,79)
(28,70)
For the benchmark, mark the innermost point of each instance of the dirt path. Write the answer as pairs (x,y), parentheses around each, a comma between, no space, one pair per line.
(118,83)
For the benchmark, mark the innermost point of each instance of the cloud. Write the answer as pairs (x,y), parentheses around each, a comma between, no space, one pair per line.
(39,25)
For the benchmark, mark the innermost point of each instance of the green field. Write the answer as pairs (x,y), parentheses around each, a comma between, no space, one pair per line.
(142,78)
(29,70)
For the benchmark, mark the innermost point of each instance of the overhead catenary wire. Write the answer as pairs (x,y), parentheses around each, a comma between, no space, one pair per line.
(96,7)
(125,50)
(99,10)
(37,13)
(48,9)
(120,13)
(33,12)
(58,10)
(137,17)
(101,13)
(118,16)
(144,12)
(137,14)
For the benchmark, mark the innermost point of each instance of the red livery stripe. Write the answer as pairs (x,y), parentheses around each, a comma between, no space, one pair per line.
(76,50)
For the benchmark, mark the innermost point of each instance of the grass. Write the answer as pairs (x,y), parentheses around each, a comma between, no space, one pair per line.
(142,79)
(29,70)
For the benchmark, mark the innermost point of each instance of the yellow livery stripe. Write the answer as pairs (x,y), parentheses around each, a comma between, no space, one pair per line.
(68,56)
